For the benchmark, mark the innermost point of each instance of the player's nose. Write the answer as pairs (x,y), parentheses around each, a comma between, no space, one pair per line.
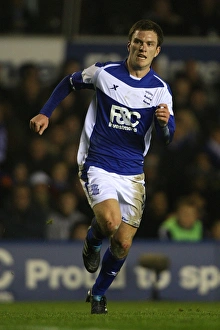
(143,47)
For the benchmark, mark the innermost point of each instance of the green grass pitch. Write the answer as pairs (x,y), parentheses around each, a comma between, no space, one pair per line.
(150,315)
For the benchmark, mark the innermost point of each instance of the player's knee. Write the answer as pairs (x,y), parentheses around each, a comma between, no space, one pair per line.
(120,247)
(111,227)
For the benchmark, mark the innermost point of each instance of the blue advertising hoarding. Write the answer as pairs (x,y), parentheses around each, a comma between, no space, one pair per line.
(54,271)
(173,56)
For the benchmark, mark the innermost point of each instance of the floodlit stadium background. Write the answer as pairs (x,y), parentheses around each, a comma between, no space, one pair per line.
(41,42)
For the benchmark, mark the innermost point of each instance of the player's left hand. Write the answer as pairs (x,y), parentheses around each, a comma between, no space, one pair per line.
(162,114)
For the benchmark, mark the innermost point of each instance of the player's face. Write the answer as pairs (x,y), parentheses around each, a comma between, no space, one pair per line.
(142,50)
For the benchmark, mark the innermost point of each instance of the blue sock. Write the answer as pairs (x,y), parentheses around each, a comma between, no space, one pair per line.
(110,268)
(95,235)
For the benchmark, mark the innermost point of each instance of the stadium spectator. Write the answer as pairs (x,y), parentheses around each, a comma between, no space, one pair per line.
(57,138)
(156,211)
(201,175)
(205,18)
(29,93)
(177,18)
(69,156)
(30,17)
(163,13)
(203,106)
(212,146)
(151,169)
(18,16)
(38,155)
(20,173)
(79,230)
(23,219)
(60,178)
(16,133)
(215,230)
(191,69)
(181,86)
(179,155)
(17,174)
(200,201)
(184,224)
(62,220)
(41,190)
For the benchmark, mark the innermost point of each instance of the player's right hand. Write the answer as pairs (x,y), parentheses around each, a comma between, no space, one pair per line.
(39,123)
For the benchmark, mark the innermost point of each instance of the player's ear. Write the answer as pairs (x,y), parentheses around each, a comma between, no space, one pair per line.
(157,51)
(128,46)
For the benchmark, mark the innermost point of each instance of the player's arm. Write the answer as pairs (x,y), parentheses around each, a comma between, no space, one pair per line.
(40,122)
(164,120)
(75,81)
(164,123)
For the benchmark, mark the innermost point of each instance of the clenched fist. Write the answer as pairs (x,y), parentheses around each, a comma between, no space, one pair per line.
(162,113)
(39,123)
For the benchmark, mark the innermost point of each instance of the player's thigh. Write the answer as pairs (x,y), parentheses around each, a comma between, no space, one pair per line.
(108,215)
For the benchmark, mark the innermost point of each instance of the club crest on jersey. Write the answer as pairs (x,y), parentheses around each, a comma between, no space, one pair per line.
(124,119)
(94,189)
(148,97)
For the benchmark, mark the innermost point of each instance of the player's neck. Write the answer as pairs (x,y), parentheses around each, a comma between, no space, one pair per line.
(136,72)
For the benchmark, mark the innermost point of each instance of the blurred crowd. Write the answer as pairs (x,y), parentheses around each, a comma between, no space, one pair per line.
(176,17)
(41,196)
(40,193)
(188,170)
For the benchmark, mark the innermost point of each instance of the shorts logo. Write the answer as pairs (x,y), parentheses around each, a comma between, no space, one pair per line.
(123,118)
(94,189)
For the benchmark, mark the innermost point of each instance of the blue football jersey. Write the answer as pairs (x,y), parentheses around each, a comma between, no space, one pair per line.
(117,130)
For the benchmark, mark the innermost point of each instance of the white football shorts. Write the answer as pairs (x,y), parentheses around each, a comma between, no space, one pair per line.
(128,190)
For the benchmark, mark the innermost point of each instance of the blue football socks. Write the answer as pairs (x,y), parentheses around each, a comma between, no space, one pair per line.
(110,268)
